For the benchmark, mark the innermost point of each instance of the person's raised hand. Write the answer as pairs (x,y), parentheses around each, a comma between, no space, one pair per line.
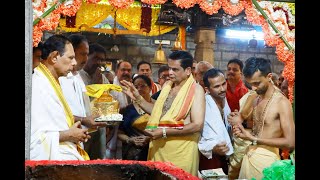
(129,89)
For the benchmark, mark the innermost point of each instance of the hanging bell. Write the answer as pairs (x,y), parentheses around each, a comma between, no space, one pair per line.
(159,56)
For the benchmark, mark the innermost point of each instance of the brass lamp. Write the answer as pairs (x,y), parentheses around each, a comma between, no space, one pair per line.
(159,56)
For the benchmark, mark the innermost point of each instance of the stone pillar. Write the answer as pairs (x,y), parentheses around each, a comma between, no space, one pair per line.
(28,74)
(204,38)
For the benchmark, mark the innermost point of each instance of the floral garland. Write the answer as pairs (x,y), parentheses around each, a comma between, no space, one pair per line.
(233,9)
(50,22)
(210,8)
(282,14)
(184,3)
(154,1)
(121,4)
(272,39)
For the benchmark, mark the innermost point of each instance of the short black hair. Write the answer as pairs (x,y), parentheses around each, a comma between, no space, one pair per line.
(162,69)
(254,64)
(143,77)
(55,42)
(236,61)
(143,62)
(211,73)
(77,39)
(185,57)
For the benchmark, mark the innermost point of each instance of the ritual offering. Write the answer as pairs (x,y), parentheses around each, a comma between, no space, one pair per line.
(104,106)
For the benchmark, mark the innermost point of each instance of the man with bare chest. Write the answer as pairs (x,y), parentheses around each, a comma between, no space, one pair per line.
(177,116)
(272,116)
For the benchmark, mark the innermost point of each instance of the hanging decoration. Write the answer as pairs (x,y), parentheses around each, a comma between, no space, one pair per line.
(184,4)
(46,16)
(71,21)
(90,15)
(146,13)
(278,34)
(210,8)
(231,8)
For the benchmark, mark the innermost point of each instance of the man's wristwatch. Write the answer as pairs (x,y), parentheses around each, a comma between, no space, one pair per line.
(164,133)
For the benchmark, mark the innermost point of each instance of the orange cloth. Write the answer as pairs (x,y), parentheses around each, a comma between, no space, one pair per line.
(234,97)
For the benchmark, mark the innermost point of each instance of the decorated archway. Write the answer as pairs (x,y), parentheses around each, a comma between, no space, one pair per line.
(277,20)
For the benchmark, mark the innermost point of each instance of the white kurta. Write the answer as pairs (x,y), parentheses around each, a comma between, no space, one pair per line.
(74,89)
(47,119)
(214,130)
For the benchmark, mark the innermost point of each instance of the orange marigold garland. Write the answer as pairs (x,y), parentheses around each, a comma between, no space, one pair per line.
(93,1)
(288,58)
(39,5)
(272,39)
(70,9)
(121,4)
(232,9)
(37,35)
(184,3)
(252,15)
(210,8)
(154,1)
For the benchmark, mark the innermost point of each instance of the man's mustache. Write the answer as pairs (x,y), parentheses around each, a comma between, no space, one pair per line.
(126,75)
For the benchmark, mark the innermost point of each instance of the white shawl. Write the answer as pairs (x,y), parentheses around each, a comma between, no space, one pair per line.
(214,130)
(47,119)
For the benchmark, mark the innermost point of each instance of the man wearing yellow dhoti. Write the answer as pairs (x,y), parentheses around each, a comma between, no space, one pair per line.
(176,117)
(54,134)
(273,125)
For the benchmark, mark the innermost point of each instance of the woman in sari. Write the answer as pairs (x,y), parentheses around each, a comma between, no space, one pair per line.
(135,143)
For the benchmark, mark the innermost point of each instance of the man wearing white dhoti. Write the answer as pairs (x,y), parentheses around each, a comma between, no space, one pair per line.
(54,134)
(74,90)
(215,143)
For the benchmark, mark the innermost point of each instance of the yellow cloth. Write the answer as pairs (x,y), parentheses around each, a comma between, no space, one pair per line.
(256,159)
(96,90)
(182,151)
(240,147)
(141,122)
(179,109)
(70,119)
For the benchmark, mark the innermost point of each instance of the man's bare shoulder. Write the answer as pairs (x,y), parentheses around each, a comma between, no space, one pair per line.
(281,100)
(199,89)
